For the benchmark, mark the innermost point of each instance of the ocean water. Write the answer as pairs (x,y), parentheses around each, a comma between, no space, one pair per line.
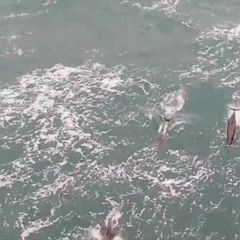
(83,84)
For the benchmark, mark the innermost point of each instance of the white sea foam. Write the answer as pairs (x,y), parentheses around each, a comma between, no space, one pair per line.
(71,128)
(48,2)
(217,59)
(173,102)
(51,113)
(35,227)
(168,6)
(13,16)
(5,181)
(230,33)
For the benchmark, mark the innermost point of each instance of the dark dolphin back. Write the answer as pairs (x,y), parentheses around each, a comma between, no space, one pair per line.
(231,129)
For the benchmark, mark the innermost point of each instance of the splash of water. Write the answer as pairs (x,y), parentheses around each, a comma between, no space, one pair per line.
(173,102)
(114,216)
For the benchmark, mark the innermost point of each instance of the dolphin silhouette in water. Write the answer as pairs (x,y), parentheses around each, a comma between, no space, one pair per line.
(232,127)
(161,138)
(109,231)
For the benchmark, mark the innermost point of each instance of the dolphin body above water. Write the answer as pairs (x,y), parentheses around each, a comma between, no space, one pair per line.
(160,140)
(109,231)
(231,127)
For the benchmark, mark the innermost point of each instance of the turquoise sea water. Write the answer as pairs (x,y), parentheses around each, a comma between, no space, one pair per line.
(82,85)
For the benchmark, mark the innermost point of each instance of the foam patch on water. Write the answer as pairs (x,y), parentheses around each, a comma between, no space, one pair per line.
(11,37)
(158,182)
(169,180)
(13,47)
(5,181)
(227,33)
(217,58)
(167,7)
(48,2)
(173,102)
(62,186)
(36,227)
(14,16)
(77,136)
(58,121)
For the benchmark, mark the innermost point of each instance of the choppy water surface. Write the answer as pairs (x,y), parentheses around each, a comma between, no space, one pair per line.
(82,86)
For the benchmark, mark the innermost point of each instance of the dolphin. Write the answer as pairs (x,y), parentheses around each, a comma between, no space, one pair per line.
(109,231)
(231,127)
(161,138)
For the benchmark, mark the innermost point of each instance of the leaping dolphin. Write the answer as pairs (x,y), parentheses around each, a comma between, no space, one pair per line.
(109,231)
(231,127)
(160,140)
